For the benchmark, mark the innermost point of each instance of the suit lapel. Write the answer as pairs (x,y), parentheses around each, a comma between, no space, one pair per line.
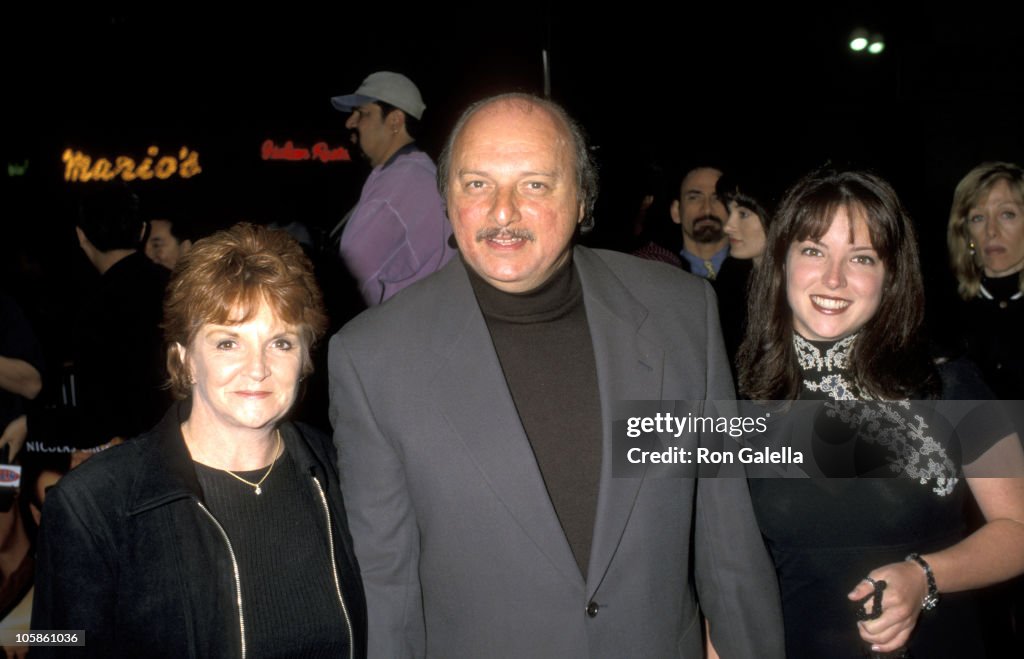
(629,367)
(474,398)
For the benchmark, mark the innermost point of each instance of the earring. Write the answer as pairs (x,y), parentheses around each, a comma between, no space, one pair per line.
(970,246)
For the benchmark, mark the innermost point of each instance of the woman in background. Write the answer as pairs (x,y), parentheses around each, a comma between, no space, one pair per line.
(750,211)
(750,208)
(986,247)
(985,235)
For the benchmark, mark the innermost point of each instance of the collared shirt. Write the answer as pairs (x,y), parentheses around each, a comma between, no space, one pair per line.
(697,266)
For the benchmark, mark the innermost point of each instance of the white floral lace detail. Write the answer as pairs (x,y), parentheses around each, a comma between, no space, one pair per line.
(892,424)
(887,423)
(835,359)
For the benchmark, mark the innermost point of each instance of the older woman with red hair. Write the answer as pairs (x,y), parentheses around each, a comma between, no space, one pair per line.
(222,531)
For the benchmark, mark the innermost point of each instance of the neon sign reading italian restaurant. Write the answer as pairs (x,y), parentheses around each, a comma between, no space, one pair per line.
(288,151)
(81,167)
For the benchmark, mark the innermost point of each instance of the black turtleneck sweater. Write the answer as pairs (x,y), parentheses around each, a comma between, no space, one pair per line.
(543,343)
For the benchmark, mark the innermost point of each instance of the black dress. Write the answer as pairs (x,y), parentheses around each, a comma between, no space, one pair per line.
(873,498)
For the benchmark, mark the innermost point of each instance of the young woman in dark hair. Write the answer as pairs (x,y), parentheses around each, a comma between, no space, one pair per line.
(750,206)
(836,308)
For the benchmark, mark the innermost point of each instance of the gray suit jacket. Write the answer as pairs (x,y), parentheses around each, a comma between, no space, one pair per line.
(461,551)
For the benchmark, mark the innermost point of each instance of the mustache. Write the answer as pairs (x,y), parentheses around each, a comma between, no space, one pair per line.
(709,218)
(501,233)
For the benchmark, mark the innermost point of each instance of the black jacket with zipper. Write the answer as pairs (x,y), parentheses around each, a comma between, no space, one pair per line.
(128,553)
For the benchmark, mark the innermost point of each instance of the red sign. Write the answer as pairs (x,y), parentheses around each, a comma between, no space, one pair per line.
(289,152)
(10,475)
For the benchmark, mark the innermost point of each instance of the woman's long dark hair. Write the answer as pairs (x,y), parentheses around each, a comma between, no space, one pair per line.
(889,359)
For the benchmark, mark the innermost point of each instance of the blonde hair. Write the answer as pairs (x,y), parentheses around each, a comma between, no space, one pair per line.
(971,190)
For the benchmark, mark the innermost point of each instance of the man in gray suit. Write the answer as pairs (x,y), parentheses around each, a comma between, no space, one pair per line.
(473,417)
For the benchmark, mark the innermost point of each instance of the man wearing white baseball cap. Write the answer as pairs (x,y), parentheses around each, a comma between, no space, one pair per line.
(397,233)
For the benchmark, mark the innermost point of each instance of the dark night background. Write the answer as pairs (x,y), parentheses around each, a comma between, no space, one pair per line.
(778,90)
(774,89)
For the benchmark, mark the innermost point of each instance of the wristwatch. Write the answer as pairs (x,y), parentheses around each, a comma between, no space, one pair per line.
(931,599)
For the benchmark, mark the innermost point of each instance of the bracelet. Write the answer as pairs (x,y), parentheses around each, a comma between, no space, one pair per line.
(932,598)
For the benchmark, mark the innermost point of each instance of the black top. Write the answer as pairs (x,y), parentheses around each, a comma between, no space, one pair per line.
(119,359)
(730,286)
(288,595)
(878,495)
(543,344)
(993,328)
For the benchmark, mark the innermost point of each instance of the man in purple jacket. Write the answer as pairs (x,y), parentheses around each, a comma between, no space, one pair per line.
(398,233)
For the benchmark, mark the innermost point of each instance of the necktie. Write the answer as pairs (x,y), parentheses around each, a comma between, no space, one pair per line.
(711,270)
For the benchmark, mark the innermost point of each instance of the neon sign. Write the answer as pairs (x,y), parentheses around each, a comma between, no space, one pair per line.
(81,167)
(17,169)
(289,152)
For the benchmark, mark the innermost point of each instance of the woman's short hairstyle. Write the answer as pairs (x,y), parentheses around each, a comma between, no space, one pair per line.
(970,191)
(225,279)
(888,359)
(746,191)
